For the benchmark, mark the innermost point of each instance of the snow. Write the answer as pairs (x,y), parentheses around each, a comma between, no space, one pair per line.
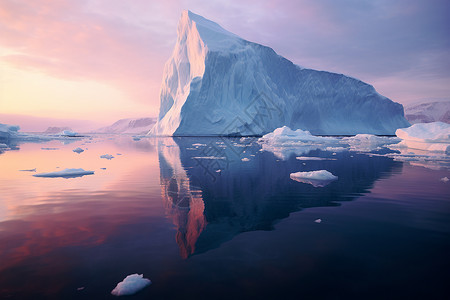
(216,83)
(433,137)
(132,126)
(107,156)
(130,285)
(78,150)
(67,173)
(427,112)
(318,178)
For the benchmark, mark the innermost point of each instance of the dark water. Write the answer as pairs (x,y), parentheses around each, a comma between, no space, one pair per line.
(245,232)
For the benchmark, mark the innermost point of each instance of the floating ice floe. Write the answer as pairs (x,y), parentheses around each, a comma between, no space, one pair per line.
(245,159)
(107,156)
(369,142)
(66,173)
(131,285)
(29,170)
(318,178)
(444,179)
(208,157)
(318,221)
(434,137)
(48,148)
(78,150)
(283,142)
(69,133)
(313,158)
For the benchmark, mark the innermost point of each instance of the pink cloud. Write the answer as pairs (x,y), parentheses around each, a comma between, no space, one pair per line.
(64,39)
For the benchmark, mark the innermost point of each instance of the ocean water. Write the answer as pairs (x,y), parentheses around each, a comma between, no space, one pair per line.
(200,223)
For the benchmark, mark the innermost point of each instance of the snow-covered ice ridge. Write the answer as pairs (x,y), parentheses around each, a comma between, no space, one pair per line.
(216,83)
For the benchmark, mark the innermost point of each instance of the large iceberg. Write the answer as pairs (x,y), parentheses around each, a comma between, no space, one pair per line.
(216,83)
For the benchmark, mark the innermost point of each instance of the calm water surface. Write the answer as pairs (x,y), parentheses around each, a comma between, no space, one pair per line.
(201,223)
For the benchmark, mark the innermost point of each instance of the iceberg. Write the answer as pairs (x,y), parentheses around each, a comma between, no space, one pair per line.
(319,178)
(133,126)
(216,83)
(434,137)
(66,173)
(131,285)
(8,131)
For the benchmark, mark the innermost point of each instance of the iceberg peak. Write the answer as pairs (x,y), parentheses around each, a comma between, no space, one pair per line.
(210,33)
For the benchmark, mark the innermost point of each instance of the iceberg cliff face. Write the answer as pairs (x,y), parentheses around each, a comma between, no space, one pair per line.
(216,83)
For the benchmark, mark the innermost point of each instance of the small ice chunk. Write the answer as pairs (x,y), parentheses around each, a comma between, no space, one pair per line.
(130,285)
(68,133)
(107,156)
(218,171)
(80,288)
(136,138)
(208,157)
(29,170)
(313,158)
(3,145)
(103,168)
(66,173)
(318,178)
(318,220)
(445,179)
(118,153)
(78,150)
(49,148)
(245,159)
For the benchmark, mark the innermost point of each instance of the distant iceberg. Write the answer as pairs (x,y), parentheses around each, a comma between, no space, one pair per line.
(66,173)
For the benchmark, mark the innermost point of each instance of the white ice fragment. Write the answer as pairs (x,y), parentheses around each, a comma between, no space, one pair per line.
(313,158)
(208,157)
(318,178)
(444,179)
(130,285)
(78,150)
(245,159)
(318,220)
(66,173)
(47,148)
(68,133)
(107,156)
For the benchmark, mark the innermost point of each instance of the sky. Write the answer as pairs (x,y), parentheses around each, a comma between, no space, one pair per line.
(88,63)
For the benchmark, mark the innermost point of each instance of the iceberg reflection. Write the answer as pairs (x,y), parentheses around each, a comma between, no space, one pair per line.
(212,200)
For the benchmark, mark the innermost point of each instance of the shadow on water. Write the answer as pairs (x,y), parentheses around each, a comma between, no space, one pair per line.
(217,188)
